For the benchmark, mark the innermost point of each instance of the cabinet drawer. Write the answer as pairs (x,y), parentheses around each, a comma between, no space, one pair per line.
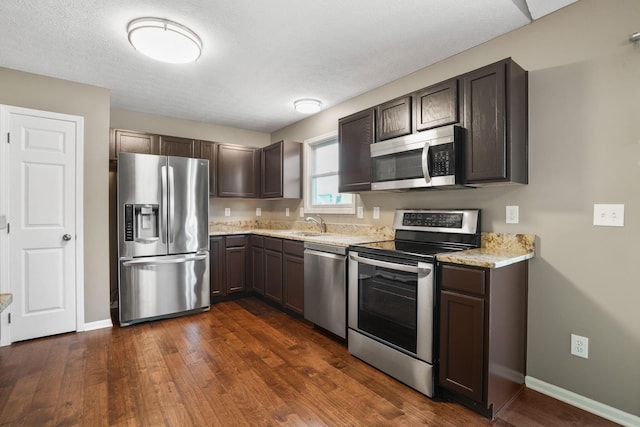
(273,244)
(257,241)
(233,241)
(293,248)
(462,279)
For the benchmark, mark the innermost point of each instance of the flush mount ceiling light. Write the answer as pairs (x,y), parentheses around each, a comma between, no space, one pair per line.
(164,40)
(307,105)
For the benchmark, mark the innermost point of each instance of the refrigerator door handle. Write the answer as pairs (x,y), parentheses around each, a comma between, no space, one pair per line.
(163,221)
(170,219)
(165,260)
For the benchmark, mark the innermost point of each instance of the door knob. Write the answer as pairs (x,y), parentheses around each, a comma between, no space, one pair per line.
(66,237)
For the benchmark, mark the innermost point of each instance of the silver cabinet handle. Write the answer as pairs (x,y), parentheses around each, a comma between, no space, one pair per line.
(425,162)
(66,237)
(389,265)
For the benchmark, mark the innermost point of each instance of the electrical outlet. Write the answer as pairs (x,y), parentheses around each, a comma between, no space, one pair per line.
(301,212)
(227,211)
(580,346)
(360,212)
(376,212)
(608,215)
(258,211)
(513,215)
(287,212)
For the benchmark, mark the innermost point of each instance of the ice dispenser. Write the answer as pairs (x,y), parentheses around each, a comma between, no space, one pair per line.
(142,223)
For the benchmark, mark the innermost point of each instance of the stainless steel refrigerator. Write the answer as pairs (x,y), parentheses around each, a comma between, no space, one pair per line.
(163,236)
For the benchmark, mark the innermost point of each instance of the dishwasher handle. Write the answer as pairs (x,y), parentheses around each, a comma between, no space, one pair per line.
(325,254)
(390,265)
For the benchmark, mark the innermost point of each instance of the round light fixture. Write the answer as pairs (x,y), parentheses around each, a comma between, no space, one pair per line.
(307,105)
(164,40)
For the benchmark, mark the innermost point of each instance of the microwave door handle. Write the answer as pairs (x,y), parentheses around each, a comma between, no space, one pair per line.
(425,162)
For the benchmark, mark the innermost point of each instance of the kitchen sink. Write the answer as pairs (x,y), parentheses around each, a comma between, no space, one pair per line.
(304,233)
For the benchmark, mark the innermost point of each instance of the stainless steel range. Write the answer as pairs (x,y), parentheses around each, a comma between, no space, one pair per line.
(391,292)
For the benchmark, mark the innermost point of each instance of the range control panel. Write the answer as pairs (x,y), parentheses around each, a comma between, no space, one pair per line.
(439,219)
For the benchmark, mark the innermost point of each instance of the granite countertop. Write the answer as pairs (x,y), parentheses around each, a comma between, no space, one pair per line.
(5,300)
(497,250)
(304,236)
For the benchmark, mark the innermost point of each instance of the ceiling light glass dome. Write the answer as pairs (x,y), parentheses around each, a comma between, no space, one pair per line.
(164,40)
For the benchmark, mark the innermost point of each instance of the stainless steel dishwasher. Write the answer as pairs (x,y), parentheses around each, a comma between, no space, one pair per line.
(325,286)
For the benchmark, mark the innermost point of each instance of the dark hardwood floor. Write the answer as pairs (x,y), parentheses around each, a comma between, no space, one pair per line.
(243,363)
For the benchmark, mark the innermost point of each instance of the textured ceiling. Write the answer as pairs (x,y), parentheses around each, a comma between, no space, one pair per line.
(258,57)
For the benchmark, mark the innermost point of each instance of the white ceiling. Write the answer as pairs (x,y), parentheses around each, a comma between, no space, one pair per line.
(258,57)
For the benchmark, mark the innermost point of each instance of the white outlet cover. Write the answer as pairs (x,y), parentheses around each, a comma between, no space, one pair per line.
(360,212)
(376,212)
(258,211)
(301,212)
(580,346)
(287,212)
(513,214)
(608,215)
(227,211)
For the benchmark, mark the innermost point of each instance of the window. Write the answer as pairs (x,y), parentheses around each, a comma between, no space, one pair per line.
(321,177)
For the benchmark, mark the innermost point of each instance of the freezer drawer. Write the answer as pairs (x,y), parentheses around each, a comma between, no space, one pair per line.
(167,286)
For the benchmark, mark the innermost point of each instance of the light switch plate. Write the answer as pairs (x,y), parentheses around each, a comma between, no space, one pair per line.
(513,214)
(608,215)
(376,212)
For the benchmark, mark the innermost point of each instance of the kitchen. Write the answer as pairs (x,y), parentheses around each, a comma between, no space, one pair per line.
(582,98)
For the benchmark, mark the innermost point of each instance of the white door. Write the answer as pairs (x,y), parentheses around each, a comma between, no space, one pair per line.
(42,217)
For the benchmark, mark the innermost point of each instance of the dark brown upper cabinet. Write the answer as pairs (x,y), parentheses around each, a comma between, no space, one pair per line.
(208,152)
(437,105)
(132,142)
(282,170)
(355,135)
(175,146)
(393,118)
(238,171)
(495,117)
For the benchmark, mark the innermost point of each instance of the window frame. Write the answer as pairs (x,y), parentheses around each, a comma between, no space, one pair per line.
(345,209)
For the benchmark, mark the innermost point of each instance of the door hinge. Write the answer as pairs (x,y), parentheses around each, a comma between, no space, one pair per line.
(8,227)
(8,138)
(9,317)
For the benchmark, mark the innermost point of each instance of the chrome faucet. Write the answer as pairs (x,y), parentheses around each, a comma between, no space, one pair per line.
(321,223)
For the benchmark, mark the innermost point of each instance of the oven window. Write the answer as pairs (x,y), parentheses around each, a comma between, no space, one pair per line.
(387,305)
(393,167)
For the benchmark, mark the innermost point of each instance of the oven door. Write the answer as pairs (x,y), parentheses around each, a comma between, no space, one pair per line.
(392,303)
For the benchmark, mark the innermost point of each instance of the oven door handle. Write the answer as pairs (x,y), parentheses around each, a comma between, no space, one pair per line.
(390,265)
(425,162)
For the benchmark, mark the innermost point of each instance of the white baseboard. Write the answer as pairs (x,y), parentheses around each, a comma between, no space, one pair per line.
(589,405)
(100,324)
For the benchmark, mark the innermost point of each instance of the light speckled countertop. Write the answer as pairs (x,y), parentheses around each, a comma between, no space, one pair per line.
(304,236)
(498,250)
(5,300)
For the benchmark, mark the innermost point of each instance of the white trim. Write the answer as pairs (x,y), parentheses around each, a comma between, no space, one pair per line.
(80,325)
(347,209)
(589,405)
(99,324)
(5,328)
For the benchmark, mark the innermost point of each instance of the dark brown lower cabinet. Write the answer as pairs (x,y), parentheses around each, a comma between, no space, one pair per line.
(257,264)
(293,275)
(483,334)
(273,269)
(228,262)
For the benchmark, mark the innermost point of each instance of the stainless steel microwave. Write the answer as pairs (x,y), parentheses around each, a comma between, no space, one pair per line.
(433,158)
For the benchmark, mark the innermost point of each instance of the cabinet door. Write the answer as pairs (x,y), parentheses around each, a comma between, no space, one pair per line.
(393,118)
(208,152)
(273,275)
(272,162)
(356,134)
(436,105)
(216,265)
(461,344)
(238,169)
(257,269)
(235,269)
(134,142)
(174,146)
(484,114)
(293,283)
